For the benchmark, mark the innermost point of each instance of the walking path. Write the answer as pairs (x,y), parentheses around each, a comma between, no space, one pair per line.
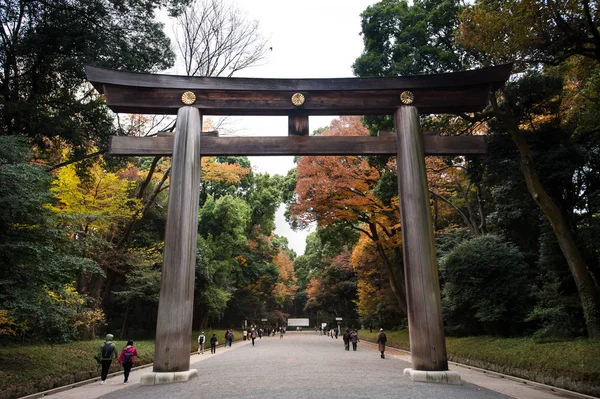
(306,365)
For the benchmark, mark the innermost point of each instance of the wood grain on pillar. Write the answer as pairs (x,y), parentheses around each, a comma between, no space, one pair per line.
(427,343)
(174,324)
(298,125)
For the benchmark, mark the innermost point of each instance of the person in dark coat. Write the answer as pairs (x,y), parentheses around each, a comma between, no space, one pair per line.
(381,339)
(354,339)
(213,344)
(346,338)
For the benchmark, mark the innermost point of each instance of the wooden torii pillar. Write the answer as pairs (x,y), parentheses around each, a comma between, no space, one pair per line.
(402,97)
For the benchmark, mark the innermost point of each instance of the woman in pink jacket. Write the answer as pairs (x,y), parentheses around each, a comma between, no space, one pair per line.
(126,358)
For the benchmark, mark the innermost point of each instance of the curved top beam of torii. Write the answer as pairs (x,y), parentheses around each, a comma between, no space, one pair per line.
(142,93)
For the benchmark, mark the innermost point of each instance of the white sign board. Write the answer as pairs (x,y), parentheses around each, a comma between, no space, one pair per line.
(298,323)
(263,319)
(338,318)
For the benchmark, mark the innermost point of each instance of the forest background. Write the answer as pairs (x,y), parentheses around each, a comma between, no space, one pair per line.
(81,233)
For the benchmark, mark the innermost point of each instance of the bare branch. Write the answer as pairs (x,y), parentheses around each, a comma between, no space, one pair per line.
(216,39)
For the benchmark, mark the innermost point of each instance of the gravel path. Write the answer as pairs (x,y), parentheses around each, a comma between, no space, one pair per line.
(302,365)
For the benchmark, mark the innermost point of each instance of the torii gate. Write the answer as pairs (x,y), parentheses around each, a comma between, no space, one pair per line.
(402,97)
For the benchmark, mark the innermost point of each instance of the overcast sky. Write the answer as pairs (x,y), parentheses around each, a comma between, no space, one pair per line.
(310,39)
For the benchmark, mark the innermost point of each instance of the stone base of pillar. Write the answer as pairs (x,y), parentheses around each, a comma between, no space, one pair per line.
(443,377)
(155,378)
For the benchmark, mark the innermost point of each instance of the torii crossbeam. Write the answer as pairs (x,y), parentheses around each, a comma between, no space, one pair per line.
(402,97)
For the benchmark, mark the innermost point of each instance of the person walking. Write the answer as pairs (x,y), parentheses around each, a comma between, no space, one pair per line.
(230,337)
(281,333)
(346,338)
(354,339)
(213,344)
(201,341)
(108,352)
(253,336)
(381,338)
(126,359)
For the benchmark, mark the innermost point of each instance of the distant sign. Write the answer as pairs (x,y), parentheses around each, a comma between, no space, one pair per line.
(298,323)
(263,319)
(338,318)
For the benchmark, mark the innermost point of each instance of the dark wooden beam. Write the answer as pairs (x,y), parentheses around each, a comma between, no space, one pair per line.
(129,92)
(297,145)
(297,125)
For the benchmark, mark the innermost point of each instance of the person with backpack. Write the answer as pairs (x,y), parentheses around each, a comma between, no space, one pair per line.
(126,358)
(201,341)
(108,352)
(213,344)
(354,339)
(230,337)
(253,336)
(381,339)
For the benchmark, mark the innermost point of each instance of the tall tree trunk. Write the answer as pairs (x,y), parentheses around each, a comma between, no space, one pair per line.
(397,289)
(588,292)
(122,334)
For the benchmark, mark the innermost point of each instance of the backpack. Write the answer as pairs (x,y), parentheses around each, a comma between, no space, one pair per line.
(201,339)
(128,358)
(107,350)
(382,338)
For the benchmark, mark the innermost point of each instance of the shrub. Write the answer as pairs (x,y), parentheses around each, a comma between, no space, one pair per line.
(485,289)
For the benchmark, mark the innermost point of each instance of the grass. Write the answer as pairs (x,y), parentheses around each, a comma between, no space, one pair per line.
(35,368)
(567,364)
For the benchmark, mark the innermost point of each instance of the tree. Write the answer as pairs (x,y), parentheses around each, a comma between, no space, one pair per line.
(37,265)
(519,114)
(403,39)
(531,31)
(333,190)
(216,39)
(44,48)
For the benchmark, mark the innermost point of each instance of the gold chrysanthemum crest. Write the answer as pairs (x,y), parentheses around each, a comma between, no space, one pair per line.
(188,98)
(407,97)
(298,99)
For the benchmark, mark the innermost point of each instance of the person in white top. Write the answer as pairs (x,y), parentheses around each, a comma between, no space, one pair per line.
(201,341)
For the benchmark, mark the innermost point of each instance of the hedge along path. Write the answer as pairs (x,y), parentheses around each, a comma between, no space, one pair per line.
(29,369)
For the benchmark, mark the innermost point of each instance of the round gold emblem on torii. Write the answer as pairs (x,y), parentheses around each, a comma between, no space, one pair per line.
(407,97)
(298,99)
(188,98)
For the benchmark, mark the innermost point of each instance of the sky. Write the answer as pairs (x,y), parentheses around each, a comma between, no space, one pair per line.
(309,39)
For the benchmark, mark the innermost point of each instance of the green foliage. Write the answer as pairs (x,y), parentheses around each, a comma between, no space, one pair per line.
(403,39)
(34,271)
(222,227)
(485,287)
(446,242)
(264,197)
(43,53)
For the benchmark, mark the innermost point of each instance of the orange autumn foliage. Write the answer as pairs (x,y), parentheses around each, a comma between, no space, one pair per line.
(286,287)
(373,288)
(222,172)
(330,189)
